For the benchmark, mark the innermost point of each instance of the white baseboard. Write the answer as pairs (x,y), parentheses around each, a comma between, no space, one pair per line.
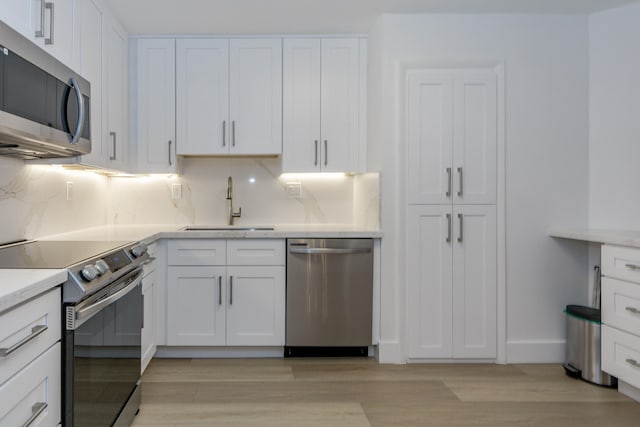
(629,390)
(535,351)
(218,352)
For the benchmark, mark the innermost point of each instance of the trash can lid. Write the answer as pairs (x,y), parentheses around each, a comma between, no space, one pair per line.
(583,312)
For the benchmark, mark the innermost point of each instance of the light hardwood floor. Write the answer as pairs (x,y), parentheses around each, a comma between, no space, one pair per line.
(361,392)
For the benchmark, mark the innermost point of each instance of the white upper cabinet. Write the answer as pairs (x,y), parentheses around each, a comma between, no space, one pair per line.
(117,97)
(324,105)
(229,96)
(452,137)
(51,24)
(202,98)
(154,111)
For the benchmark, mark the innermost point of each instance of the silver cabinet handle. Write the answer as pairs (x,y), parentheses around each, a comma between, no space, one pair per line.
(315,162)
(326,152)
(35,331)
(332,251)
(51,20)
(460,218)
(169,151)
(448,193)
(76,136)
(233,133)
(230,290)
(633,363)
(36,410)
(460,183)
(219,290)
(113,142)
(632,310)
(448,239)
(633,266)
(224,133)
(40,32)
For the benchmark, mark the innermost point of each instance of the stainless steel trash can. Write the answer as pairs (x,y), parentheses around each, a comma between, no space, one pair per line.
(583,346)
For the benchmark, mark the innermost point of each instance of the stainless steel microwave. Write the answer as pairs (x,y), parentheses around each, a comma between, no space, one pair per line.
(44,105)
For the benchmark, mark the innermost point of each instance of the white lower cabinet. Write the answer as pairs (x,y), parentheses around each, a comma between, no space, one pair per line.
(212,303)
(452,276)
(148,332)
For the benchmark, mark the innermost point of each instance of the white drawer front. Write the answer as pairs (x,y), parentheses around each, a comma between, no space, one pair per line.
(34,389)
(197,252)
(621,355)
(27,331)
(621,263)
(621,305)
(256,252)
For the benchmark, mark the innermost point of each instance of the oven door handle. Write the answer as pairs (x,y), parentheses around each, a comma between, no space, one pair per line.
(88,312)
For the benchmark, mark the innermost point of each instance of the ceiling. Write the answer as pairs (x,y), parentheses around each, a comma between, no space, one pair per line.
(312,16)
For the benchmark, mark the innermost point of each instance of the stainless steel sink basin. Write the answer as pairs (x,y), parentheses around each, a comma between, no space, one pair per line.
(227,228)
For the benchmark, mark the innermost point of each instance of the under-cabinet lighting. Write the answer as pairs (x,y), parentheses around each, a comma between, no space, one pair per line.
(315,175)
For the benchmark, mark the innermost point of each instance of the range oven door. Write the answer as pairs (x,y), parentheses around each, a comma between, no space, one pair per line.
(102,354)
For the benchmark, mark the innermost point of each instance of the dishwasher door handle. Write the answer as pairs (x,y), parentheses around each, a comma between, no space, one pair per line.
(334,251)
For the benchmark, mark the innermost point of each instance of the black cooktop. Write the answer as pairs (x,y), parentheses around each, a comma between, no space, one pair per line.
(53,253)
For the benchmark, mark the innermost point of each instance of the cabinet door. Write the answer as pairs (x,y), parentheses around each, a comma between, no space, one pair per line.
(429,277)
(155,107)
(475,136)
(256,310)
(202,96)
(196,306)
(474,282)
(117,99)
(20,15)
(301,104)
(92,61)
(429,137)
(58,38)
(339,104)
(255,104)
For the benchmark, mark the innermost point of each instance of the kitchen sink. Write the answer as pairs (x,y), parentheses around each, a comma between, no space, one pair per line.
(225,228)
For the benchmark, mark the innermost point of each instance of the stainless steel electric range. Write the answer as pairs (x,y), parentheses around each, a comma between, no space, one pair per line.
(102,320)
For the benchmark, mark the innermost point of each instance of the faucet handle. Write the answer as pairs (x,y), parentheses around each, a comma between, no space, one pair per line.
(237,214)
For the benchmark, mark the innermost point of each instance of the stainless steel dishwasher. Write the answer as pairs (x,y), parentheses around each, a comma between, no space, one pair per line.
(329,297)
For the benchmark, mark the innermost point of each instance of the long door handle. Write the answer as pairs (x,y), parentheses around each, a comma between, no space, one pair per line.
(49,40)
(230,290)
(35,331)
(448,193)
(113,142)
(224,133)
(233,133)
(326,152)
(448,239)
(40,32)
(169,152)
(460,183)
(76,136)
(461,220)
(36,410)
(331,251)
(315,162)
(219,290)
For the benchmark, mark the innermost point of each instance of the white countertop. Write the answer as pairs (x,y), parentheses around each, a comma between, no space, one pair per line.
(20,285)
(611,237)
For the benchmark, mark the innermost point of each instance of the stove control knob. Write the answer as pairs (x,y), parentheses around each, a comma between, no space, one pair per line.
(101,266)
(138,250)
(89,273)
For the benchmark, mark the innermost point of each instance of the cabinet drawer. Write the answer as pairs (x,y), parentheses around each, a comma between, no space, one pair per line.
(621,355)
(34,390)
(196,252)
(29,330)
(621,305)
(256,252)
(621,262)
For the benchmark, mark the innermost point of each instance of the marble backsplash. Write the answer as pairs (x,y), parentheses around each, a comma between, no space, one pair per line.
(33,198)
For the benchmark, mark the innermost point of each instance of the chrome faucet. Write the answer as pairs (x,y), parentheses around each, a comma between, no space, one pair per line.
(232,214)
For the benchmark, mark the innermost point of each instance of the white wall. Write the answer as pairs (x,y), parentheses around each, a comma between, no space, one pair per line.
(614,120)
(33,201)
(546,59)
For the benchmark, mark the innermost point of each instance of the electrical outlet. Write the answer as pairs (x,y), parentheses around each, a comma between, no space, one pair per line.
(176,191)
(294,190)
(69,190)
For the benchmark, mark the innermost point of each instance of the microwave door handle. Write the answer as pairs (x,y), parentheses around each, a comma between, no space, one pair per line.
(76,135)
